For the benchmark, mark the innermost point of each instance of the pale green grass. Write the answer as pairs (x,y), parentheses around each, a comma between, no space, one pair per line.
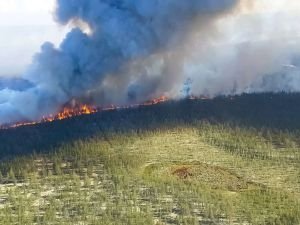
(201,174)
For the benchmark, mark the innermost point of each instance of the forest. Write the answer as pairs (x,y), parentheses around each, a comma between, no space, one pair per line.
(226,160)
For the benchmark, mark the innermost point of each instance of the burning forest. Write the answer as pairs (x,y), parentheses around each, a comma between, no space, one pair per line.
(74,109)
(132,51)
(150,112)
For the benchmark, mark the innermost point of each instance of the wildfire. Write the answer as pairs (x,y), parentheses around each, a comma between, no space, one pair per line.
(76,109)
(68,112)
(156,101)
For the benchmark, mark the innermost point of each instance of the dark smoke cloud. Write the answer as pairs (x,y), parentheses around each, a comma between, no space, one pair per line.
(124,51)
(115,61)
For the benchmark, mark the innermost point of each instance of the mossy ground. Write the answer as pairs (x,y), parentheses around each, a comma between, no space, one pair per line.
(190,174)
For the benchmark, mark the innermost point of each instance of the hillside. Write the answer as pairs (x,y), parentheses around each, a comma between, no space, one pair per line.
(228,160)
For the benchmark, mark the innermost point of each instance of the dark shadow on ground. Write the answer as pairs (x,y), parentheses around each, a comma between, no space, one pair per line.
(273,111)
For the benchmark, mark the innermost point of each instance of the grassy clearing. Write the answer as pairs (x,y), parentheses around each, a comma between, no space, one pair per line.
(202,173)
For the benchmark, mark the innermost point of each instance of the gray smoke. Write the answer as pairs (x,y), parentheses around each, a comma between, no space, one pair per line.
(125,51)
(115,62)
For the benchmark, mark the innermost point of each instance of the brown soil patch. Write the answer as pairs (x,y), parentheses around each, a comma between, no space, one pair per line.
(213,176)
(182,172)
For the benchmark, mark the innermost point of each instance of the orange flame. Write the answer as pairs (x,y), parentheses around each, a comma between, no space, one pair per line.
(68,112)
(155,101)
(82,109)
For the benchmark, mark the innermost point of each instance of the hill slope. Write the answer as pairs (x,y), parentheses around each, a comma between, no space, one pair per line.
(223,161)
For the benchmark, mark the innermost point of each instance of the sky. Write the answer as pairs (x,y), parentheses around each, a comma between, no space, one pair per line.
(144,50)
(24,26)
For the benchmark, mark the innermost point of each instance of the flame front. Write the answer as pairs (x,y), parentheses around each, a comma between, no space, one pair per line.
(68,112)
(155,101)
(77,109)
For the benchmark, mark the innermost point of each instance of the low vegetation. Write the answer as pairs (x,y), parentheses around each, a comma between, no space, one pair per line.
(162,165)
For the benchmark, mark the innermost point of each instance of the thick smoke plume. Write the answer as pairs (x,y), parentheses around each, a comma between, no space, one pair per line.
(124,51)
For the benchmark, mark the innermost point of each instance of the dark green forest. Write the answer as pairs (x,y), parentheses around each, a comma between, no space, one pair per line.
(227,160)
(278,112)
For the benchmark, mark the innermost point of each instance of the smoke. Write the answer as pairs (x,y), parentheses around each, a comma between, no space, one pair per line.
(257,50)
(124,51)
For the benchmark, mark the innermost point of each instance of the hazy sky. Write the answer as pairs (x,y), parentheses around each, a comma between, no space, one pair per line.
(24,26)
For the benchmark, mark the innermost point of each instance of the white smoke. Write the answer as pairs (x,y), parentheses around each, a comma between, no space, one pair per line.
(130,51)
